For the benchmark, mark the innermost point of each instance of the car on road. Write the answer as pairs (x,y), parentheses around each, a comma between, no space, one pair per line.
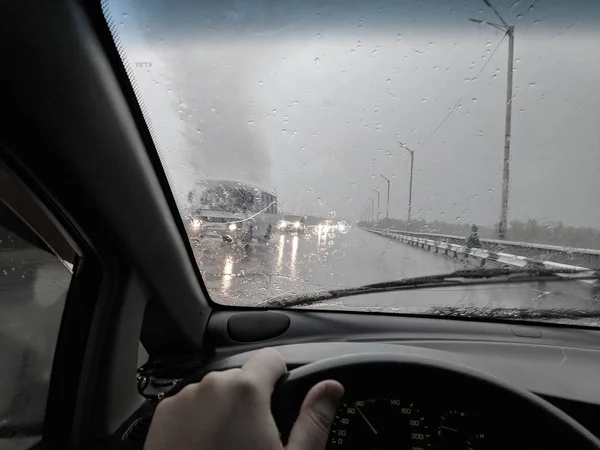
(292,223)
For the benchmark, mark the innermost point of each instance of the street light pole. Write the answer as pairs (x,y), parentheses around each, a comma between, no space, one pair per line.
(503,225)
(372,208)
(377,192)
(510,31)
(412,159)
(387,206)
(366,212)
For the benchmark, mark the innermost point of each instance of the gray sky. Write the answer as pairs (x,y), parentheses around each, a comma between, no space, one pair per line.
(310,98)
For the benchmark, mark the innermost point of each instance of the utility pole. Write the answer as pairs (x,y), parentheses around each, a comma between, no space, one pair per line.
(377,192)
(372,208)
(503,225)
(510,32)
(412,159)
(387,206)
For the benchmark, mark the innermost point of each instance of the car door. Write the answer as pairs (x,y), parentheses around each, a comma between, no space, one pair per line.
(36,272)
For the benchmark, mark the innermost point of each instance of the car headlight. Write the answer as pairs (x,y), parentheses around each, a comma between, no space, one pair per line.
(195,223)
(282,224)
(296,224)
(232,227)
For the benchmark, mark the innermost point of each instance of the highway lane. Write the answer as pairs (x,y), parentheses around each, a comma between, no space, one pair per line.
(291,264)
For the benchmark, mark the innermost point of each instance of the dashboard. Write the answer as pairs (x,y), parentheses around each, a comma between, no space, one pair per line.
(400,421)
(557,364)
(403,399)
(398,408)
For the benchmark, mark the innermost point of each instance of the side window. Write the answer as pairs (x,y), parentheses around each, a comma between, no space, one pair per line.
(36,263)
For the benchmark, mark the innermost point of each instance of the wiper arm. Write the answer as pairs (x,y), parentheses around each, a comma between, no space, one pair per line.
(456,278)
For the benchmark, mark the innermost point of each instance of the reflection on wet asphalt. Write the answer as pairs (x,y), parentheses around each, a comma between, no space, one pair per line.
(320,260)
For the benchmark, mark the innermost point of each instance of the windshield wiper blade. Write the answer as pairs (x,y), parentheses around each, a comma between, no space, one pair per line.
(514,313)
(456,278)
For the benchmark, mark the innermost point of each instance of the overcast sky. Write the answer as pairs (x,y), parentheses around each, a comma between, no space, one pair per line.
(311,97)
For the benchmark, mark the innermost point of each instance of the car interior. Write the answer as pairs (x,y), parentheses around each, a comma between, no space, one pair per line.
(137,323)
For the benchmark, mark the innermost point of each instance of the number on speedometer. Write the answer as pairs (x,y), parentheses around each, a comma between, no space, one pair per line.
(379,423)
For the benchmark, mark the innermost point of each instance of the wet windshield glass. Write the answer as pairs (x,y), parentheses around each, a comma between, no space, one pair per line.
(318,145)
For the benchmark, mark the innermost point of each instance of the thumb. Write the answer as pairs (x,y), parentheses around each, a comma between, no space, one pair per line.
(311,430)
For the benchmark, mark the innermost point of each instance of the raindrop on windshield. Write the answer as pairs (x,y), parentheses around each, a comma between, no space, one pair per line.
(338,254)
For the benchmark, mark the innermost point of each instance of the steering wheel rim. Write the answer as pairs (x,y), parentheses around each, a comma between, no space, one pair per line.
(292,387)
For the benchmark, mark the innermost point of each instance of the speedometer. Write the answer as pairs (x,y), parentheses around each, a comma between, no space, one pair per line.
(379,424)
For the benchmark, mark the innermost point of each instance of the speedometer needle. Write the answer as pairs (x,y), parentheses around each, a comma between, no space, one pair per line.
(366,420)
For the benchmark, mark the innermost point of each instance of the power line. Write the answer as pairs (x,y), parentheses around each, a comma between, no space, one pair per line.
(489,59)
(496,12)
(442,122)
(528,9)
(458,101)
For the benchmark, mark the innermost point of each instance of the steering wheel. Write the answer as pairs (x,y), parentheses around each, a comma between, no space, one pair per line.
(517,418)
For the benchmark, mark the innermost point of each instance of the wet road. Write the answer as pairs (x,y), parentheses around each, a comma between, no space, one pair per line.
(319,259)
(323,259)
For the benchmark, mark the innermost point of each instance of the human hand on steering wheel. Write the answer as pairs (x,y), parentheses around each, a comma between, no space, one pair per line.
(231,410)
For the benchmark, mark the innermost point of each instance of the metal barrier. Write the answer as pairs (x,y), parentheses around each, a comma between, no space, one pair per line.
(553,253)
(480,254)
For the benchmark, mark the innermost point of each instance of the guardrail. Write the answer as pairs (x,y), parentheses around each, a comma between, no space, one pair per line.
(483,256)
(553,253)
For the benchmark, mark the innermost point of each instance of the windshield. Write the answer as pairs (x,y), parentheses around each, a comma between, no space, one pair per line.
(314,146)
